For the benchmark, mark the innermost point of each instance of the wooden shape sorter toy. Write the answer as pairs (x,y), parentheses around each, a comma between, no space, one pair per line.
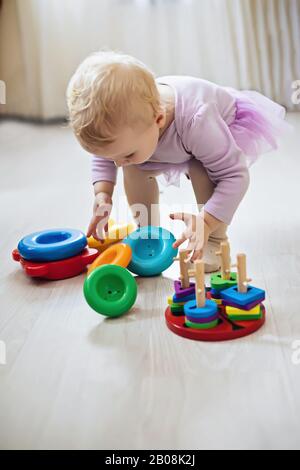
(225,278)
(243,294)
(181,292)
(235,311)
(183,287)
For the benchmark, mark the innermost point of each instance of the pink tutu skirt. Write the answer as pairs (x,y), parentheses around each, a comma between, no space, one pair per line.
(258,124)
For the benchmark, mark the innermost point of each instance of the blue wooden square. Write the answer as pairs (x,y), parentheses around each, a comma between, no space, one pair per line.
(215,293)
(238,298)
(177,299)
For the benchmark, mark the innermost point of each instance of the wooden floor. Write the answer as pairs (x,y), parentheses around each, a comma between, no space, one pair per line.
(74,379)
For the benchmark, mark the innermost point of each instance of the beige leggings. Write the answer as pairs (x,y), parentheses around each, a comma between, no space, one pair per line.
(141,187)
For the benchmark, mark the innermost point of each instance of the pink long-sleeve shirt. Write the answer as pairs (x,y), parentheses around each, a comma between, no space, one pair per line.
(200,129)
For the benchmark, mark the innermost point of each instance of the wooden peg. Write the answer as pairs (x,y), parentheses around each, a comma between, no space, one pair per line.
(225,260)
(200,283)
(184,275)
(242,273)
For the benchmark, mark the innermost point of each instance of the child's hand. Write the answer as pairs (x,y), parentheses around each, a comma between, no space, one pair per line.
(197,232)
(102,209)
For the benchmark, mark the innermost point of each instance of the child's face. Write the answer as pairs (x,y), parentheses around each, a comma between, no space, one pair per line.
(132,146)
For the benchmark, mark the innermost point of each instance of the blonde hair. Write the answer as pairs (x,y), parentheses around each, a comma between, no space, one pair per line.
(108,92)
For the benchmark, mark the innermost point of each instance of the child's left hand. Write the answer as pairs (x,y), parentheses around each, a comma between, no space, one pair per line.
(197,232)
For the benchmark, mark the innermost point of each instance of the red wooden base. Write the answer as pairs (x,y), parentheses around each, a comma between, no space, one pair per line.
(225,331)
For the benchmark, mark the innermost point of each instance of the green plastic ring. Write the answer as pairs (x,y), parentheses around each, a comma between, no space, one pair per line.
(110,290)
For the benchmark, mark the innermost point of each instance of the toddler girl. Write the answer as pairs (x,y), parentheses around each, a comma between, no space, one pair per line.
(170,125)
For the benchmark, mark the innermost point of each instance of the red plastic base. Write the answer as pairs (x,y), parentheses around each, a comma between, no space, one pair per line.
(56,270)
(225,331)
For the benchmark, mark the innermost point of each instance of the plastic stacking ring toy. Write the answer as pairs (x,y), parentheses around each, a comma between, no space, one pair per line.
(120,231)
(56,270)
(110,290)
(119,254)
(152,250)
(52,245)
(116,233)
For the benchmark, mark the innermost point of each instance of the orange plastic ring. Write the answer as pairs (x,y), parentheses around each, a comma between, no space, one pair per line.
(119,254)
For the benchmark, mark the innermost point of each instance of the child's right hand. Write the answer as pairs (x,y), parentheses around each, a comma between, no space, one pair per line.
(101,212)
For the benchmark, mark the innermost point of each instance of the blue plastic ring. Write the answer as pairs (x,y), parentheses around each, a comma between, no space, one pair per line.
(152,250)
(52,245)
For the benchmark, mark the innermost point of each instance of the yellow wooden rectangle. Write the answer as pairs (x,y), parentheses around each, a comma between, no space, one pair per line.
(218,301)
(238,311)
(170,302)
